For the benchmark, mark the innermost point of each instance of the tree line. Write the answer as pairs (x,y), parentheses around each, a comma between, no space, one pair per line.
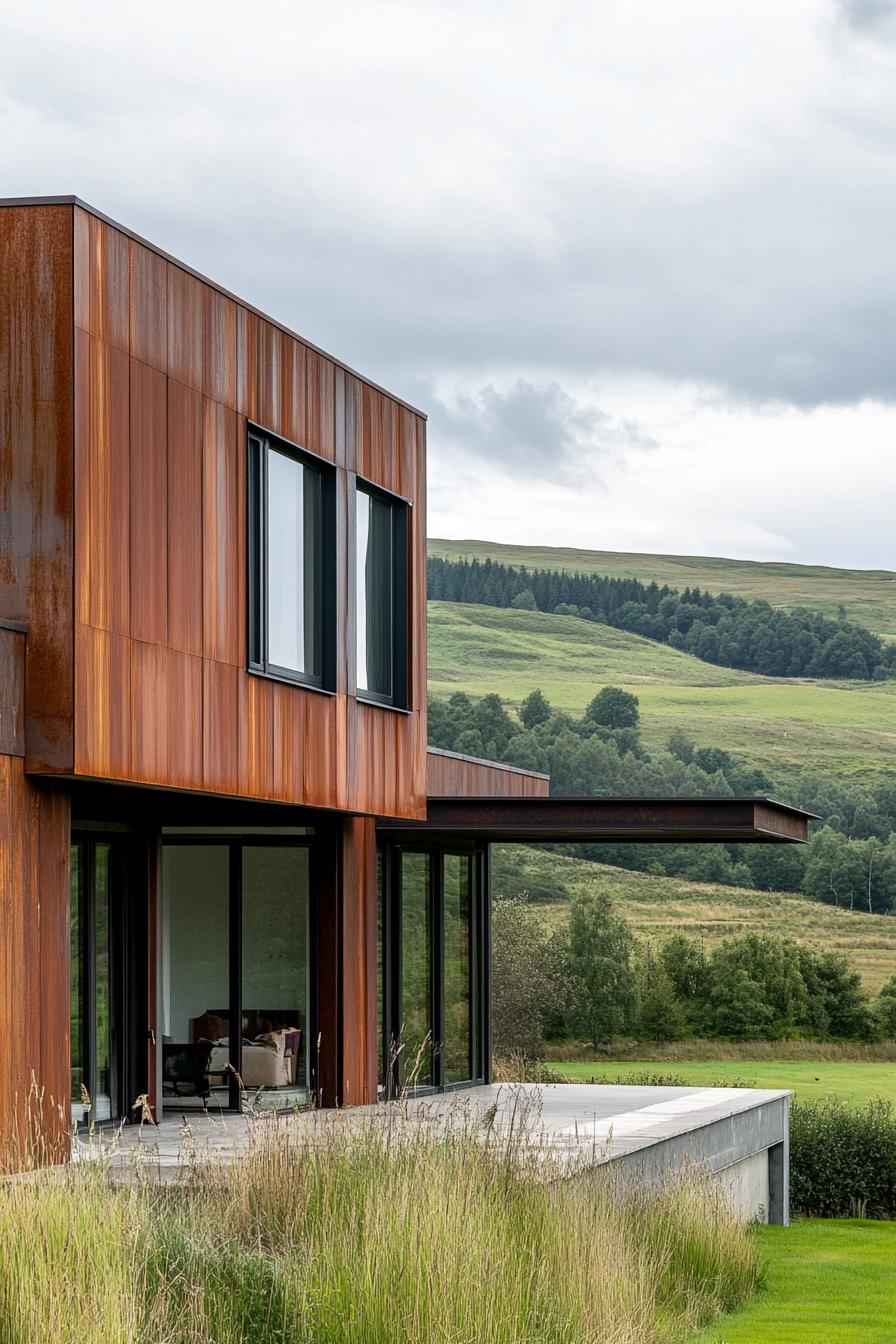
(850,860)
(717,628)
(594,981)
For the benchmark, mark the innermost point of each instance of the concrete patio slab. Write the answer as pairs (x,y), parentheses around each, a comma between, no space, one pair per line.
(738,1135)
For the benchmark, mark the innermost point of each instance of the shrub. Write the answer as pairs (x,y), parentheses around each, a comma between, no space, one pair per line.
(527,980)
(843,1161)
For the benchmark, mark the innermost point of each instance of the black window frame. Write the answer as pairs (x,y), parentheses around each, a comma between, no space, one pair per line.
(401,607)
(260,442)
(390,1006)
(235,843)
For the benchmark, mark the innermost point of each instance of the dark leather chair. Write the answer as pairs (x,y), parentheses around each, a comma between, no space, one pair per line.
(185,1068)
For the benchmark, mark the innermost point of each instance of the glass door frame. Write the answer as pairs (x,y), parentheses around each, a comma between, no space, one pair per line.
(390,969)
(235,843)
(124,945)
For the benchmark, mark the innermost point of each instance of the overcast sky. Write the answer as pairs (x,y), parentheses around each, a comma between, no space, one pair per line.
(637,260)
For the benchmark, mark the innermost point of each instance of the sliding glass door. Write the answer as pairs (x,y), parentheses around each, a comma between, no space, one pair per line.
(236,971)
(432,938)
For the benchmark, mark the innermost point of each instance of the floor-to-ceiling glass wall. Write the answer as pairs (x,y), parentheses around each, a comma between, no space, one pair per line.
(432,937)
(236,968)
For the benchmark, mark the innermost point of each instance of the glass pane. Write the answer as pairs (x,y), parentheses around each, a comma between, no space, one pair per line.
(293,564)
(102,1101)
(77,985)
(456,964)
(375,551)
(195,998)
(380,972)
(416,963)
(276,887)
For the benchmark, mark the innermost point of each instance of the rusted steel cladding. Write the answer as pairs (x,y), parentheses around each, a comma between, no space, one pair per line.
(169,373)
(36,501)
(452,776)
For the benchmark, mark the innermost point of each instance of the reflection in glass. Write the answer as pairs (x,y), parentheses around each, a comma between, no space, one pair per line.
(416,951)
(275,991)
(195,997)
(102,1101)
(293,565)
(380,967)
(374,542)
(456,968)
(77,984)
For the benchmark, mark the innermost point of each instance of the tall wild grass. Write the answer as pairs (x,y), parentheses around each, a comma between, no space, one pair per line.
(410,1232)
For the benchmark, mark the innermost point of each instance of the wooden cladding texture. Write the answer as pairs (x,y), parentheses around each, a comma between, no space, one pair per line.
(36,466)
(34,968)
(451,776)
(169,372)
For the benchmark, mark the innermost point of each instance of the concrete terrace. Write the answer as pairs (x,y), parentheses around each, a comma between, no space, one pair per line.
(739,1135)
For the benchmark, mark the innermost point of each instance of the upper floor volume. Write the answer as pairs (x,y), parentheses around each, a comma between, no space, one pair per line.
(217,533)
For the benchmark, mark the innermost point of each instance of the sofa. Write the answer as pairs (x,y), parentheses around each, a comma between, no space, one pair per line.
(272,1042)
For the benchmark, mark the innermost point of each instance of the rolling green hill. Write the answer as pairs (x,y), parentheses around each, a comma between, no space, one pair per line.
(784,726)
(869,595)
(654,906)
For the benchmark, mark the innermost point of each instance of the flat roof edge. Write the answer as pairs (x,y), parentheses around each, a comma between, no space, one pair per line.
(10,202)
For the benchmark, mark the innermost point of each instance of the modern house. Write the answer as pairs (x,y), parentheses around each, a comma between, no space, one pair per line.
(229,866)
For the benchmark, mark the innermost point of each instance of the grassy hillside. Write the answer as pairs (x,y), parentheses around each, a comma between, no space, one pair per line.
(658,905)
(785,726)
(869,595)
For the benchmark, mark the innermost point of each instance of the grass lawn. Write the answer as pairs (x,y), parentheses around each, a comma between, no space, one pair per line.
(829,1282)
(785,726)
(850,1082)
(869,595)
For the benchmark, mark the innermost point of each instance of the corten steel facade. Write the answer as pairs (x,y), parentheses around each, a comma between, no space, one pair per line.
(136,715)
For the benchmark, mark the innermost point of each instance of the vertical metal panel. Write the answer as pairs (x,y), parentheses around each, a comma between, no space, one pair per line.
(185,504)
(101,280)
(36,466)
(102,703)
(185,318)
(148,504)
(223,536)
(220,726)
(148,306)
(219,347)
(12,692)
(103,464)
(294,399)
(34,969)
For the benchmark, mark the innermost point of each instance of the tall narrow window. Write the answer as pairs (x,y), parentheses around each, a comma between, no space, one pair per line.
(290,529)
(381,596)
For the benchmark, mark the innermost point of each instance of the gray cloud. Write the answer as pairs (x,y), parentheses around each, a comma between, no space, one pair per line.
(868,13)
(706,197)
(537,430)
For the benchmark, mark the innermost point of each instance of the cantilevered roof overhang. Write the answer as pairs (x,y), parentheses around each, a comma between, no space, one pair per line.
(633,820)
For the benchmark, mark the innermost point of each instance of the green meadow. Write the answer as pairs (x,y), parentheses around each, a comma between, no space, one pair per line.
(655,906)
(869,595)
(853,1082)
(785,726)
